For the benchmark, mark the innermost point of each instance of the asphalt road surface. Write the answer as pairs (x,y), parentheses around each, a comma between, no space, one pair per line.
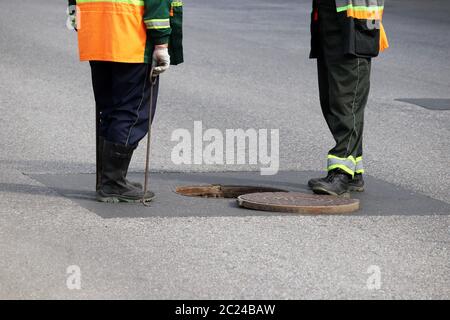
(246,67)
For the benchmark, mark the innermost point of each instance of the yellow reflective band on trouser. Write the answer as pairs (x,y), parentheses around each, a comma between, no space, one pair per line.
(346,164)
(157,23)
(177,4)
(359,165)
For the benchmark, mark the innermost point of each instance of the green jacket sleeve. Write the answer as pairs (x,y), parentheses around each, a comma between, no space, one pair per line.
(157,20)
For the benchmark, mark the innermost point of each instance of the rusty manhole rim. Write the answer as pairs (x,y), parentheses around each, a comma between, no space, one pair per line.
(332,205)
(222,191)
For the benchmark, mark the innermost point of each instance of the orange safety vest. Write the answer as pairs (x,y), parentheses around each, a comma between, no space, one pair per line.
(118,30)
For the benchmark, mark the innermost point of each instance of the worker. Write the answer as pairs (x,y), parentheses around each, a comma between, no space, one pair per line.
(346,35)
(127,44)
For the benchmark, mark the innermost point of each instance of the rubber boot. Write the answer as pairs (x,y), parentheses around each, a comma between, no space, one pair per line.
(134,184)
(114,187)
(101,141)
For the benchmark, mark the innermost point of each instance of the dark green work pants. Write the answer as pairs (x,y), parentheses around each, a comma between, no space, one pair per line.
(344,85)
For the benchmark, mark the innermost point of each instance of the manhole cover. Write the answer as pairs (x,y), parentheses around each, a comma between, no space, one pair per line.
(296,202)
(220,191)
(431,104)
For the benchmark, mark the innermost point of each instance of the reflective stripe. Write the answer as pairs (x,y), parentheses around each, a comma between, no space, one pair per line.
(336,159)
(132,2)
(343,5)
(346,164)
(157,23)
(177,4)
(361,9)
(342,167)
(359,165)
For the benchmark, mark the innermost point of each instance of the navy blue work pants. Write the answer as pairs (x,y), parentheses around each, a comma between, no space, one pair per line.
(122,95)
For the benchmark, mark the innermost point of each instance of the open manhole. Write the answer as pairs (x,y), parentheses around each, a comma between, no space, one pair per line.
(222,191)
(297,202)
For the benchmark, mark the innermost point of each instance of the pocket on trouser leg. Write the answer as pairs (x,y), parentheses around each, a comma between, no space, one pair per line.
(367,38)
(176,37)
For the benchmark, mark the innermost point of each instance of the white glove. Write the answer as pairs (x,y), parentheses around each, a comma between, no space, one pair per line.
(71,23)
(161,60)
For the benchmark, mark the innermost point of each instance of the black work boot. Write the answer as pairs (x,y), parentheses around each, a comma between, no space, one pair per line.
(100,144)
(314,181)
(336,183)
(114,187)
(134,184)
(357,183)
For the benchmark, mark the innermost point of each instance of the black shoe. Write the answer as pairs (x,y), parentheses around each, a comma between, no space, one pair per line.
(315,181)
(336,183)
(101,142)
(114,186)
(357,183)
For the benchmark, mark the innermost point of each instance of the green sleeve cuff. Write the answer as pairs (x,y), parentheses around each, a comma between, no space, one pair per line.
(161,40)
